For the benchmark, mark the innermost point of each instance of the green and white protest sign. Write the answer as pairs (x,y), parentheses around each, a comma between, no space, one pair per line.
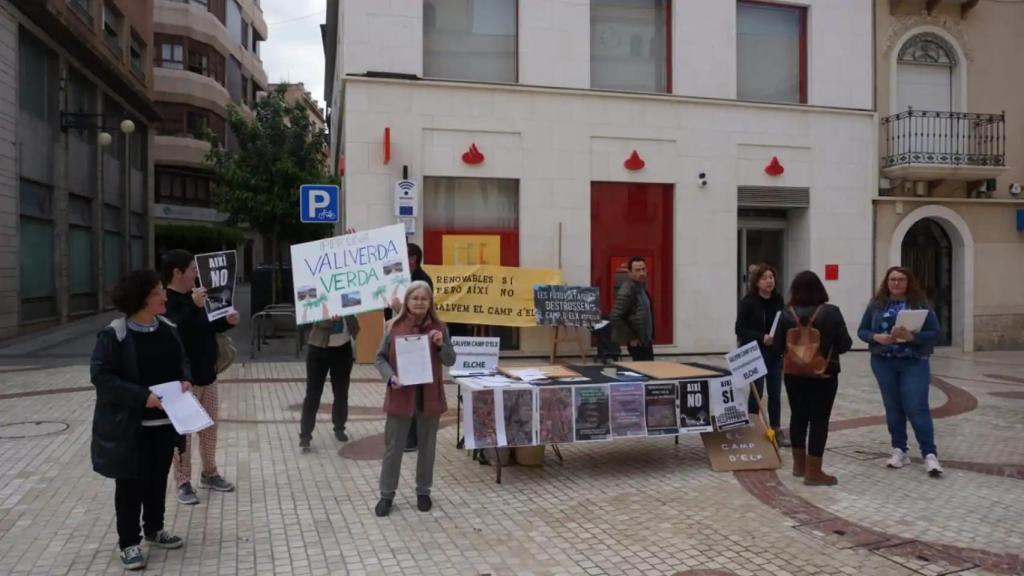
(349,274)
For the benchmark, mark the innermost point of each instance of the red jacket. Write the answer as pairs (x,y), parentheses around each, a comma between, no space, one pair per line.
(402,401)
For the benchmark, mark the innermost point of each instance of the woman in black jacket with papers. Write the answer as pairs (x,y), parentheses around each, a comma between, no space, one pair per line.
(811,335)
(133,440)
(754,320)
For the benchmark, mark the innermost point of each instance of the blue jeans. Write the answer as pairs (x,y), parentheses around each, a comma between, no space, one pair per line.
(904,384)
(774,397)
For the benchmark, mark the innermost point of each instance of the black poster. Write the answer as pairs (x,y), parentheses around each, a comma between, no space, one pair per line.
(217,274)
(660,408)
(592,413)
(566,305)
(695,406)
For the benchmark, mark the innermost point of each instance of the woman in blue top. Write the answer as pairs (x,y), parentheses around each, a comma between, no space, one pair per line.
(899,359)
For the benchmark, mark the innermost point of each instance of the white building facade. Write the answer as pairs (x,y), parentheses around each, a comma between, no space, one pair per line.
(752,125)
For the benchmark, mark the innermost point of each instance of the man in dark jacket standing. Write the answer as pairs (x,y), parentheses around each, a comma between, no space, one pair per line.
(632,315)
(186,308)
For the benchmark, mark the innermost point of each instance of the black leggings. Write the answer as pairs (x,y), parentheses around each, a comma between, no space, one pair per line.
(810,406)
(145,494)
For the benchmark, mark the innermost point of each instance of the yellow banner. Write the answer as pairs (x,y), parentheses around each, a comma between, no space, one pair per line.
(489,295)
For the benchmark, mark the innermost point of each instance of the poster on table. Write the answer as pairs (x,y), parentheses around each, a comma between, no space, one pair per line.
(488,295)
(350,274)
(660,409)
(591,413)
(217,275)
(729,404)
(694,406)
(517,405)
(746,363)
(627,410)
(566,305)
(474,355)
(554,415)
(482,419)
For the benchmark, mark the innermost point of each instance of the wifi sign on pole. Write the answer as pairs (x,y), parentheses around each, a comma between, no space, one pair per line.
(406,192)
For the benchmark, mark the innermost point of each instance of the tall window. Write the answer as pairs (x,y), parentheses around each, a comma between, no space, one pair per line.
(83,8)
(470,39)
(630,43)
(172,55)
(137,55)
(771,53)
(112,28)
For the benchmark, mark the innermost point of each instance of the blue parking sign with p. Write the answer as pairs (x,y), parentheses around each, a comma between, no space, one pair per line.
(319,203)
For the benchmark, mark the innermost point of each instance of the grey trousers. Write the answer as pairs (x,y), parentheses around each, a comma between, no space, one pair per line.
(396,430)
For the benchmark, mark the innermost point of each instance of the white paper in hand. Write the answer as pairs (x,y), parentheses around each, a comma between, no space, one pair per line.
(912,320)
(185,412)
(775,323)
(414,366)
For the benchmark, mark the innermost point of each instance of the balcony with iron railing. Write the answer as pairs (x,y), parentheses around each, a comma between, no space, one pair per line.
(929,145)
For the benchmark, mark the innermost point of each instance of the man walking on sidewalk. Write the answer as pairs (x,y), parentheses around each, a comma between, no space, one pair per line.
(186,308)
(632,315)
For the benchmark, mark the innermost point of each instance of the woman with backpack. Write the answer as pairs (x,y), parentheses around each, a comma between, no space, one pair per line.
(899,360)
(754,319)
(812,334)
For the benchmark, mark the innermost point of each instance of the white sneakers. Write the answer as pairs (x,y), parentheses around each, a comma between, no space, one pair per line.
(899,459)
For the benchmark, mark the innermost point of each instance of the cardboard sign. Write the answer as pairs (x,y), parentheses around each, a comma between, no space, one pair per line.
(475,355)
(746,448)
(746,363)
(217,272)
(488,295)
(349,274)
(566,305)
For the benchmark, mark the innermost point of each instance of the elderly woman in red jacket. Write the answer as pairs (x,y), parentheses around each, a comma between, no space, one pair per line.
(425,401)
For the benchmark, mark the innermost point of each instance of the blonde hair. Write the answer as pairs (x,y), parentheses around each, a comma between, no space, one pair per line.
(431,315)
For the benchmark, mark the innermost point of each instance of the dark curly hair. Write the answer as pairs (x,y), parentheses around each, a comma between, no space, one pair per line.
(130,293)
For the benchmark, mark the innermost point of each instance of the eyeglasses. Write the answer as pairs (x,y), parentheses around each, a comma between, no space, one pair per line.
(897,280)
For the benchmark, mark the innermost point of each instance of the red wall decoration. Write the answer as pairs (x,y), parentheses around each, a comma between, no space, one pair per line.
(387,145)
(634,162)
(473,155)
(774,168)
(832,272)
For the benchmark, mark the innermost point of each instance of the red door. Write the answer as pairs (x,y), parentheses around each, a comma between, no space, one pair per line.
(629,220)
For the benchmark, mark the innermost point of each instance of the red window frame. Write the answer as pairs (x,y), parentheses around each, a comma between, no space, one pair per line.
(802,10)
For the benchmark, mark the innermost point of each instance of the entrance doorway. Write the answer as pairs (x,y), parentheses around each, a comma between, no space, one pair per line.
(928,252)
(761,240)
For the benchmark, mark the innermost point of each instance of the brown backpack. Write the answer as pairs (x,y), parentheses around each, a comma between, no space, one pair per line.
(803,349)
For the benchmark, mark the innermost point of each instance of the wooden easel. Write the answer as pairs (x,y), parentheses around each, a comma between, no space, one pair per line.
(566,337)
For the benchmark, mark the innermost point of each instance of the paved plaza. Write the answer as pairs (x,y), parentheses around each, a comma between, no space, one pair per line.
(638,506)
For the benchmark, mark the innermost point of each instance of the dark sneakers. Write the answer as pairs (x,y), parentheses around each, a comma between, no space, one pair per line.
(341,436)
(186,495)
(215,482)
(304,445)
(424,503)
(383,507)
(132,558)
(166,540)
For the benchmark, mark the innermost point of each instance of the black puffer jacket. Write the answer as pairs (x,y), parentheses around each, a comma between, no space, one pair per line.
(198,334)
(120,399)
(754,317)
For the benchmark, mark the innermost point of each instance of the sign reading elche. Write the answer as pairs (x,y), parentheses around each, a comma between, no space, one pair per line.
(489,295)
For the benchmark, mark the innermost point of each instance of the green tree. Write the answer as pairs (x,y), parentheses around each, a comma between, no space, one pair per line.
(257,181)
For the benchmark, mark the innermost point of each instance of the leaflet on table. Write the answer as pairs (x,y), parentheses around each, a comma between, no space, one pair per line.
(184,411)
(627,410)
(592,412)
(492,381)
(481,419)
(555,415)
(517,406)
(729,404)
(529,374)
(694,406)
(660,407)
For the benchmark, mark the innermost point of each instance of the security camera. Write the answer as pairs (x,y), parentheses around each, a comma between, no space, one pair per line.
(702,179)
(1015,188)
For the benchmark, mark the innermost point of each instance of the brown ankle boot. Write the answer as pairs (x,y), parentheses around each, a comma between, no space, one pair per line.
(813,476)
(799,462)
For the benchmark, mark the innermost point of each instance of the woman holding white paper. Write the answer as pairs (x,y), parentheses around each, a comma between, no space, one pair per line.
(133,440)
(900,362)
(426,402)
(756,318)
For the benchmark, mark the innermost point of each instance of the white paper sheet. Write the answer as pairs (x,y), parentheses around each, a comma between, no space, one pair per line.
(185,412)
(912,320)
(775,323)
(529,374)
(414,365)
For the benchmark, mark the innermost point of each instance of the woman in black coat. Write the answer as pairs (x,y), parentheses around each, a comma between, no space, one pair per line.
(754,320)
(133,440)
(811,386)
